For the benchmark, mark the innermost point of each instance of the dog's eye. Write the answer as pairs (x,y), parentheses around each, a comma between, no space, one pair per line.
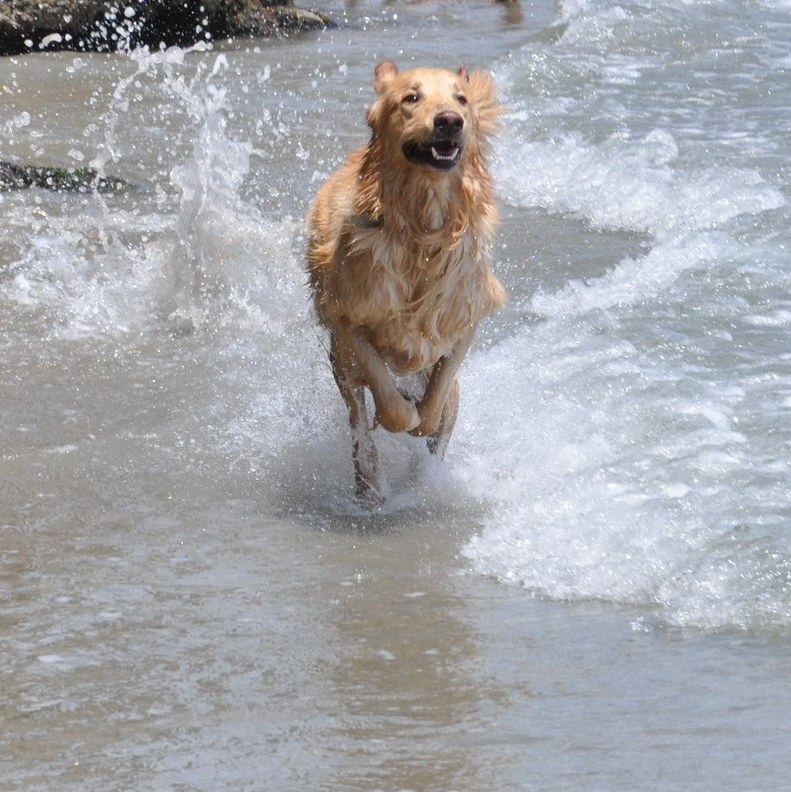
(461,99)
(411,98)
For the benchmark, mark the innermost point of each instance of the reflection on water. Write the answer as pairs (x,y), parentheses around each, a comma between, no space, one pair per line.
(409,676)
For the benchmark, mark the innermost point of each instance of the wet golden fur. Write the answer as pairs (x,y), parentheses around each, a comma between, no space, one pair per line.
(398,253)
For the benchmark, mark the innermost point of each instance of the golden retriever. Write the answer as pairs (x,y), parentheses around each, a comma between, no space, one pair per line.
(398,255)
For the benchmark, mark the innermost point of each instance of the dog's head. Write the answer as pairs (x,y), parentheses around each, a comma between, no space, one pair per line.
(433,117)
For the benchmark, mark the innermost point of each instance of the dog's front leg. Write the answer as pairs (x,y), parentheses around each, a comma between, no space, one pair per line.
(393,412)
(439,388)
(364,454)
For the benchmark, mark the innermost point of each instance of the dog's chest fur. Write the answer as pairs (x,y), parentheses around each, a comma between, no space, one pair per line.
(415,299)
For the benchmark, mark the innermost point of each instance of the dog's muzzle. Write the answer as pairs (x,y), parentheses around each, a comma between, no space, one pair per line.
(443,149)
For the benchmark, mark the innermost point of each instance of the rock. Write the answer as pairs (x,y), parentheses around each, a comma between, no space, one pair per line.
(16,177)
(278,19)
(107,25)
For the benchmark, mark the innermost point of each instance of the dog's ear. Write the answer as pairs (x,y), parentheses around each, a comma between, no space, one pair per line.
(483,98)
(384,72)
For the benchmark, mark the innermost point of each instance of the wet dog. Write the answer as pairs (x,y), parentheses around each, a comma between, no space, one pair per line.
(398,256)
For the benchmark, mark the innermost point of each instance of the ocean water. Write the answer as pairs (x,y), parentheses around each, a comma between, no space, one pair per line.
(651,398)
(592,592)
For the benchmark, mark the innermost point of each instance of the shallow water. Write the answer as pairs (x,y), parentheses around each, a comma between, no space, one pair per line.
(593,592)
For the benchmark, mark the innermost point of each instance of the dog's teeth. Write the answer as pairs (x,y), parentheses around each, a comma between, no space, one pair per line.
(439,156)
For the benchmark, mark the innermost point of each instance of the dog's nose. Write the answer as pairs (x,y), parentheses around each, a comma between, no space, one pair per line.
(448,123)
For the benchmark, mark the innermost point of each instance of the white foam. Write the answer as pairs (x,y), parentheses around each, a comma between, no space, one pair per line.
(615,459)
(635,280)
(608,478)
(629,184)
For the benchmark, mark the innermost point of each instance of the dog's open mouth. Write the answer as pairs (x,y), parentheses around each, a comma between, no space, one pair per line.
(442,154)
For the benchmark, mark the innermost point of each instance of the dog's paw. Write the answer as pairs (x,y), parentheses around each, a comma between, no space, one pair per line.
(429,423)
(369,498)
(398,415)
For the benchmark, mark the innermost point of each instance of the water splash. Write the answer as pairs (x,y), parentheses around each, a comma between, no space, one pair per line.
(181,247)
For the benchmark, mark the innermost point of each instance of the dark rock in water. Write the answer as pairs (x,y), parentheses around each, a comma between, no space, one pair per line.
(105,25)
(16,177)
(274,20)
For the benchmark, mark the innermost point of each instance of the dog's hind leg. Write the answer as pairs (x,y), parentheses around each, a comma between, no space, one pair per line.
(364,453)
(438,442)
